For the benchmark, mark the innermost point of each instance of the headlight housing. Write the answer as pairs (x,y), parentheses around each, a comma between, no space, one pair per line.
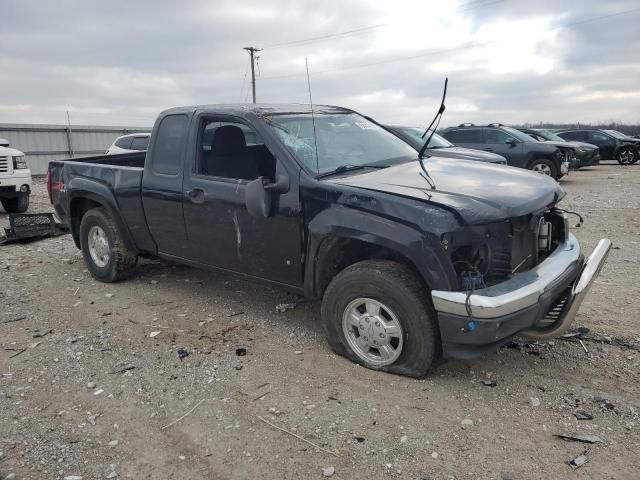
(19,163)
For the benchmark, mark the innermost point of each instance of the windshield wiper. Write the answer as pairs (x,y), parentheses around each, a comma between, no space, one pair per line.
(425,173)
(348,168)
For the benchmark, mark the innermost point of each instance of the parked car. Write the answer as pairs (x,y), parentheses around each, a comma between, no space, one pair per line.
(409,262)
(15,179)
(134,142)
(441,147)
(584,154)
(519,149)
(622,148)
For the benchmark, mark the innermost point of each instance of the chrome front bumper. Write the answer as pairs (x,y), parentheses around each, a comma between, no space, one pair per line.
(525,290)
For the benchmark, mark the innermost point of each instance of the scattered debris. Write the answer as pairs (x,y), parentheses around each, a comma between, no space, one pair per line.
(580,460)
(535,402)
(283,307)
(92,418)
(467,422)
(241,351)
(582,415)
(361,439)
(183,416)
(490,383)
(604,404)
(328,471)
(18,353)
(584,334)
(583,346)
(235,314)
(155,334)
(434,455)
(182,353)
(113,443)
(261,396)
(29,227)
(404,439)
(124,368)
(580,437)
(297,436)
(91,385)
(100,391)
(42,334)
(11,320)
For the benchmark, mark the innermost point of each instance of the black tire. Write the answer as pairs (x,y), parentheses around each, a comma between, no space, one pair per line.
(121,260)
(397,287)
(543,163)
(627,156)
(18,204)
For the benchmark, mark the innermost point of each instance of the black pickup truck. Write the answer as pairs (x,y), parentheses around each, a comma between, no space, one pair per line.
(410,263)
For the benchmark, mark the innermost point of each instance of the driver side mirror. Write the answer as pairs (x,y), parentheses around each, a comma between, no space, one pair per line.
(257,198)
(512,142)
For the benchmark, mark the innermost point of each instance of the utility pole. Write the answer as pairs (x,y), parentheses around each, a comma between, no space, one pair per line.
(252,51)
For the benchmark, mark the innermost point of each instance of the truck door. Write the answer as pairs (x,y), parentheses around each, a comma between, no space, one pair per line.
(162,185)
(221,232)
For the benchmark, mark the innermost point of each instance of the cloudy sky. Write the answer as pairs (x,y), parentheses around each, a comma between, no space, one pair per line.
(121,62)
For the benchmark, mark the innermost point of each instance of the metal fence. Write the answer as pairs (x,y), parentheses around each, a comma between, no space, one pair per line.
(44,143)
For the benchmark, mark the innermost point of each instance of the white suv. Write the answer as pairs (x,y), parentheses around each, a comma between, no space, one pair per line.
(134,142)
(15,179)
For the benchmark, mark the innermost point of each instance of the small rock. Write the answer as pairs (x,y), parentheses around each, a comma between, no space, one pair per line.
(490,383)
(404,439)
(467,422)
(328,471)
(298,352)
(154,334)
(283,307)
(108,295)
(91,385)
(73,477)
(435,455)
(92,419)
(11,476)
(535,402)
(100,391)
(182,457)
(241,351)
(113,443)
(112,475)
(582,415)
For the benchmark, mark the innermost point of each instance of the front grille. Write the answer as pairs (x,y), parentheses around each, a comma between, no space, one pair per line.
(4,164)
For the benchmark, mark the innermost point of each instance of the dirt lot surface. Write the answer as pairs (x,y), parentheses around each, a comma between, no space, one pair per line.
(99,378)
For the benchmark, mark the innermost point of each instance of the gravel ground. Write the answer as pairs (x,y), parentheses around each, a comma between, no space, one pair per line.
(99,386)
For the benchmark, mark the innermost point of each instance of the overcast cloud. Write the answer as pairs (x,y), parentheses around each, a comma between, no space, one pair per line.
(513,61)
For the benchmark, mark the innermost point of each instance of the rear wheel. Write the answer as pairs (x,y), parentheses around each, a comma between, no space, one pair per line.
(544,167)
(377,313)
(18,204)
(105,253)
(627,156)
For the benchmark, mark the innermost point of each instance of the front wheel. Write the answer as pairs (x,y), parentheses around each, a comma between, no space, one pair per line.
(18,204)
(544,167)
(627,156)
(377,313)
(104,251)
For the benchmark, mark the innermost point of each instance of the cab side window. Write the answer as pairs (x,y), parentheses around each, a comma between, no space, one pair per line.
(464,136)
(599,138)
(231,149)
(494,136)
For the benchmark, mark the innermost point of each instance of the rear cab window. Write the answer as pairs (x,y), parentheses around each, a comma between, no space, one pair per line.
(167,149)
(140,143)
(124,142)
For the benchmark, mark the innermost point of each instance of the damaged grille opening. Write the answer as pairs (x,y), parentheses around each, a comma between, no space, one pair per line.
(486,255)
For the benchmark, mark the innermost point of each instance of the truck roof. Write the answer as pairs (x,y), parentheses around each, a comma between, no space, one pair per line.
(242,109)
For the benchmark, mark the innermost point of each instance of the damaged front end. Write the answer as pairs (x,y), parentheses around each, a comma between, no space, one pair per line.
(525,275)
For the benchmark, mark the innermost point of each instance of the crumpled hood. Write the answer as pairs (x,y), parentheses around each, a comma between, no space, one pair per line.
(466,154)
(479,192)
(10,152)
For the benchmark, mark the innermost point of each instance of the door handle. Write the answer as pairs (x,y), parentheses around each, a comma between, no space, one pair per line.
(197,195)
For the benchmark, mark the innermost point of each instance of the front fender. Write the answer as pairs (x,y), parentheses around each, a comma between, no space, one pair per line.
(422,250)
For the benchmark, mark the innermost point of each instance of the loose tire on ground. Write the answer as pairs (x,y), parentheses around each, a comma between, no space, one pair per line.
(18,204)
(112,260)
(544,167)
(397,289)
(627,156)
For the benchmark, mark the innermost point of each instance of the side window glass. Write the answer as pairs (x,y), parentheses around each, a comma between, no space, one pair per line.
(599,138)
(234,150)
(124,142)
(140,143)
(465,136)
(167,150)
(494,136)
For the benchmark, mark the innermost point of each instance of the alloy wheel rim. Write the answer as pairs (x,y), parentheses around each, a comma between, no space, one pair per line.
(626,156)
(542,169)
(98,246)
(373,331)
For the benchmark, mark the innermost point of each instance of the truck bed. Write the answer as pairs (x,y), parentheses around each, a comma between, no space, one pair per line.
(118,181)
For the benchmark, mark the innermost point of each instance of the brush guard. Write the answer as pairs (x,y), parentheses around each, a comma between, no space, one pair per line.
(30,227)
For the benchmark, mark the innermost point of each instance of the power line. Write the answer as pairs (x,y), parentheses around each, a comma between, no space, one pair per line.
(438,52)
(471,5)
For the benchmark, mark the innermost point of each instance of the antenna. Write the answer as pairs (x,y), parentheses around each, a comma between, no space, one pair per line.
(313,117)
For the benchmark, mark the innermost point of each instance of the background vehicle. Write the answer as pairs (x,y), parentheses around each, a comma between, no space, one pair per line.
(135,142)
(441,147)
(332,206)
(624,149)
(583,154)
(519,149)
(15,179)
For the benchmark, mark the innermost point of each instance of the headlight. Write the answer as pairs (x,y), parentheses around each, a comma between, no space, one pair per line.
(583,149)
(19,163)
